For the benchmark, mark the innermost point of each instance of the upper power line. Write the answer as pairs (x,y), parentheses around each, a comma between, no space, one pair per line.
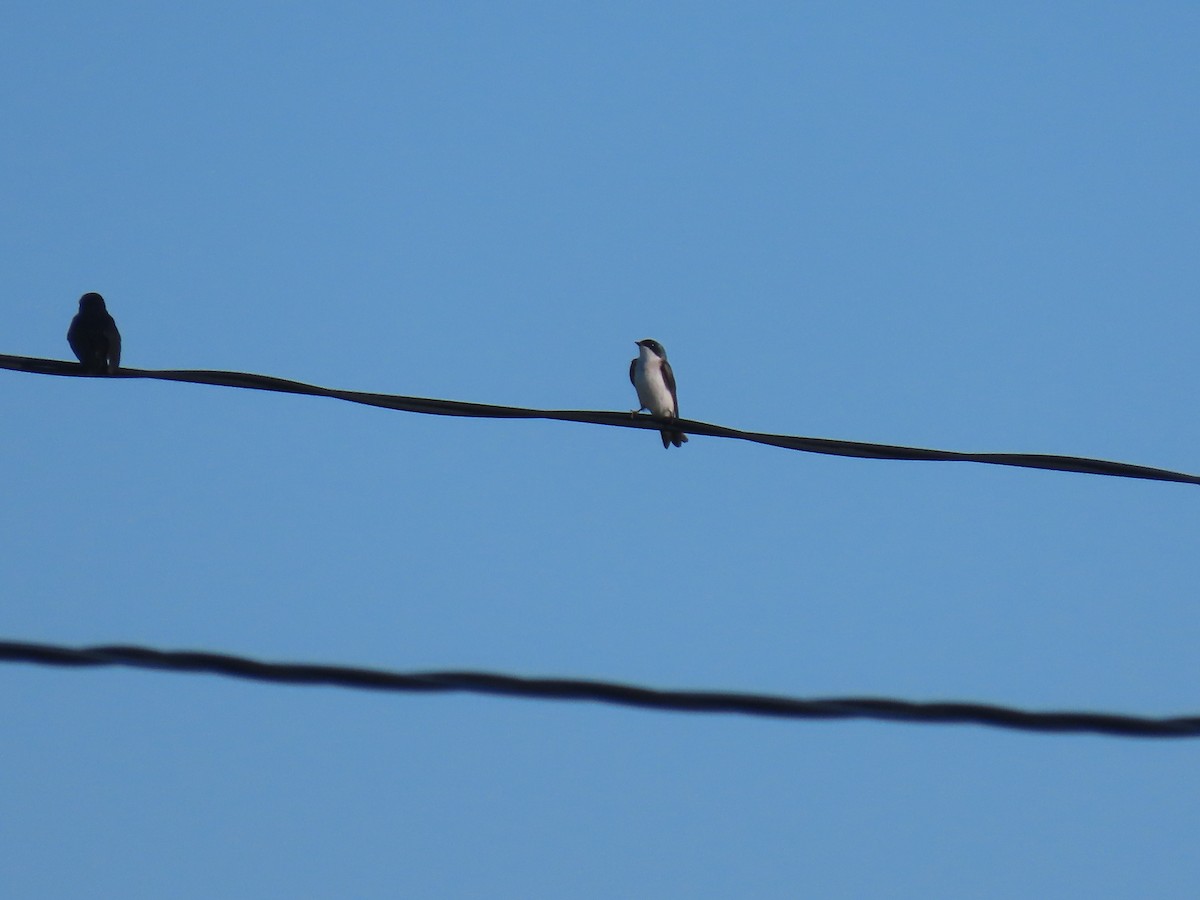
(427,406)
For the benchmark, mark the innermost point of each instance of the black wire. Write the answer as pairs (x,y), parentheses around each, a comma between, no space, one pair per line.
(877,708)
(856,449)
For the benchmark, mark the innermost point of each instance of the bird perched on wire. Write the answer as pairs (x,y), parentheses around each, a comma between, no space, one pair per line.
(94,337)
(651,375)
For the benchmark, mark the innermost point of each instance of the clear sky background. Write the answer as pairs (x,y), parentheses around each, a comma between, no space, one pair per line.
(966,226)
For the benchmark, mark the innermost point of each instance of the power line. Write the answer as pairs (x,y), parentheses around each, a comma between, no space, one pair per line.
(427,406)
(574,689)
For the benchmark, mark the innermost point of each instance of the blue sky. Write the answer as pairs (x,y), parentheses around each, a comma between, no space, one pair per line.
(931,224)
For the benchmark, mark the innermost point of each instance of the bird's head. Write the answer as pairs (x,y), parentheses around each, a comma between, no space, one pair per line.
(653,346)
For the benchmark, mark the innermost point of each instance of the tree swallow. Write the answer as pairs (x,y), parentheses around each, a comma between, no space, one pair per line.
(94,337)
(651,375)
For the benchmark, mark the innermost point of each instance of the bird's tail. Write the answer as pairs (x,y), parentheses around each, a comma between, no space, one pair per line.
(678,438)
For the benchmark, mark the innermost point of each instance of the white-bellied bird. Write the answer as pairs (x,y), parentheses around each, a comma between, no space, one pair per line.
(651,375)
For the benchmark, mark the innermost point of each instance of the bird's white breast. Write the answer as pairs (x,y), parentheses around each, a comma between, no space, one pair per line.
(651,387)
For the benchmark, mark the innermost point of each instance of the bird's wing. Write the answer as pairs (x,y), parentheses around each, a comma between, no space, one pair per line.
(669,378)
(632,369)
(114,343)
(75,338)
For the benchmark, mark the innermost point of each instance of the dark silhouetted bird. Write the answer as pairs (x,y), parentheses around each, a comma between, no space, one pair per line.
(94,337)
(651,375)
